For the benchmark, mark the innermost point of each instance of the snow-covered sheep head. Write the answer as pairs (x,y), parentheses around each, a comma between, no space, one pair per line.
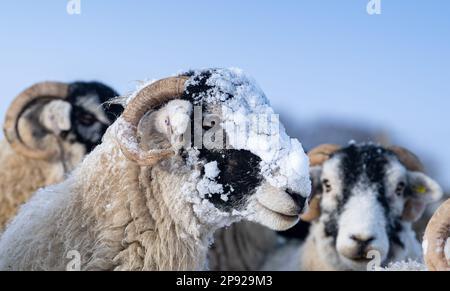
(364,197)
(242,164)
(53,121)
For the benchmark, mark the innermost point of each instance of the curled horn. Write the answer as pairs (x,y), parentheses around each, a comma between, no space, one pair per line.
(436,235)
(317,157)
(49,90)
(408,159)
(148,98)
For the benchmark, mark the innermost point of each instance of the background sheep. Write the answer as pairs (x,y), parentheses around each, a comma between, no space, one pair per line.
(155,206)
(49,128)
(369,198)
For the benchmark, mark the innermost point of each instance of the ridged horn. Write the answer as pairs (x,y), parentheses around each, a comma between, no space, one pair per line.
(50,90)
(317,157)
(437,234)
(150,97)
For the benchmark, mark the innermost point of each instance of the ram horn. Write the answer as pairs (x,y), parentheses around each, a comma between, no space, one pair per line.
(39,91)
(317,157)
(407,158)
(436,236)
(149,98)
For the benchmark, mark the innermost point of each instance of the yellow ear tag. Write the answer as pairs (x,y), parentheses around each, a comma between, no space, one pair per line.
(421,189)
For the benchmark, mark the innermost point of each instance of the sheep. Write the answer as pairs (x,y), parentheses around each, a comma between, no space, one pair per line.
(436,242)
(369,197)
(154,205)
(366,198)
(48,129)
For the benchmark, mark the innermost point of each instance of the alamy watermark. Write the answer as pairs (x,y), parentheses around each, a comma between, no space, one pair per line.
(212,132)
(73,7)
(75,261)
(374,7)
(375,262)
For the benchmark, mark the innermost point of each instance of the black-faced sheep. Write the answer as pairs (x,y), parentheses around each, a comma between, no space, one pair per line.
(136,205)
(366,198)
(48,129)
(436,242)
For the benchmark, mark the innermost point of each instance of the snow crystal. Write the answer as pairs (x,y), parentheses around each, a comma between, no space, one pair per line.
(212,170)
(425,247)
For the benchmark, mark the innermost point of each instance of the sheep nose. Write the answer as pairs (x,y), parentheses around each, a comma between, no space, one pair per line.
(361,240)
(298,199)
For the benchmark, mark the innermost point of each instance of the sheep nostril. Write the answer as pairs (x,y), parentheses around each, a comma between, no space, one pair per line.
(298,199)
(362,241)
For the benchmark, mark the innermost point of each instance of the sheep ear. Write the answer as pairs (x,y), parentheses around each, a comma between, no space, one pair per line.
(422,191)
(55,116)
(313,211)
(167,128)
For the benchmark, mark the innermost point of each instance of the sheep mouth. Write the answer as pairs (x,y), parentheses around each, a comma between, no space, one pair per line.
(286,216)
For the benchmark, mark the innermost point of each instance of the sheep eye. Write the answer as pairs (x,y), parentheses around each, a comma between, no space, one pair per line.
(87,119)
(326,185)
(400,189)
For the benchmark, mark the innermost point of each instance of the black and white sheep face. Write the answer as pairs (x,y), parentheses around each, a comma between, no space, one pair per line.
(90,116)
(235,178)
(368,197)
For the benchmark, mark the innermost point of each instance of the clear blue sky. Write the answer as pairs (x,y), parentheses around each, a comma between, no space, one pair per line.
(313,58)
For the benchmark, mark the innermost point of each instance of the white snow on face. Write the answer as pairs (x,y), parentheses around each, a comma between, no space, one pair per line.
(360,213)
(363,220)
(208,185)
(251,124)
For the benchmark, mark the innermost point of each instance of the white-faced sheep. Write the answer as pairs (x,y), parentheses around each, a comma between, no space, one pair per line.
(366,198)
(48,129)
(436,242)
(155,206)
